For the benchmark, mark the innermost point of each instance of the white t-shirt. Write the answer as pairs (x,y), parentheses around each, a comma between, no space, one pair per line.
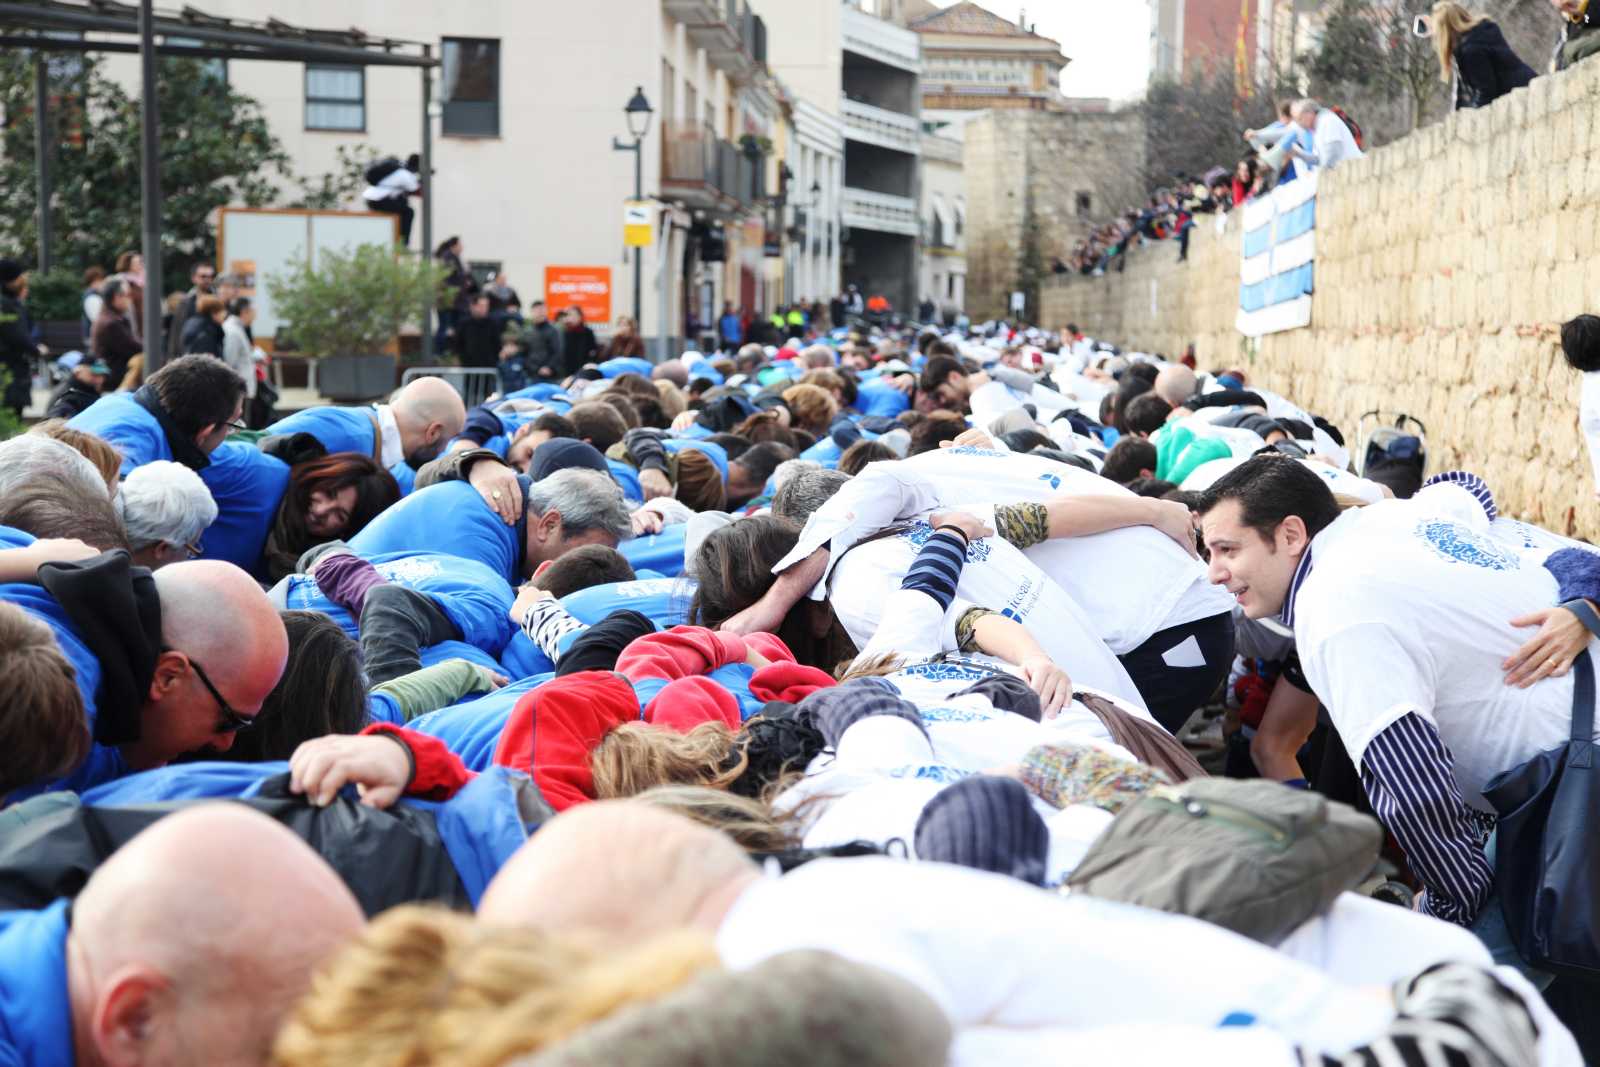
(1332,141)
(1589,421)
(1129,583)
(1408,608)
(994,952)
(400,183)
(1339,481)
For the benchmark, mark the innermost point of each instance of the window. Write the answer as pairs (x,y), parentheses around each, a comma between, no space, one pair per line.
(669,92)
(950,292)
(336,97)
(1085,207)
(471,87)
(217,68)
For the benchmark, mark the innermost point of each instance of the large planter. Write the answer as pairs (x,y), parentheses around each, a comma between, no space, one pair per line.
(355,378)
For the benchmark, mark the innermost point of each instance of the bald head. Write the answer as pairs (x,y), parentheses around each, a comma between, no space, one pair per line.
(429,413)
(216,619)
(1176,383)
(620,866)
(180,952)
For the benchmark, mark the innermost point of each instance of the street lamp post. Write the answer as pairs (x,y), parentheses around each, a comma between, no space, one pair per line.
(638,113)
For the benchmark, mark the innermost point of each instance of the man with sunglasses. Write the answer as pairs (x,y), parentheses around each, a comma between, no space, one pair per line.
(167,663)
(183,412)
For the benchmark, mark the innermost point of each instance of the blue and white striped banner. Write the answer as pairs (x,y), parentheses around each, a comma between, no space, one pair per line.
(1277,251)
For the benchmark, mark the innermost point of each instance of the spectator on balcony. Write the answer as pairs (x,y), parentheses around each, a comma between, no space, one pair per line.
(1580,31)
(1474,54)
(1331,140)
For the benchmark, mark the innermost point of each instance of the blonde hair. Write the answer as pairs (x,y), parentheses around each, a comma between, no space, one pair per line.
(638,755)
(1450,21)
(864,666)
(753,825)
(424,986)
(813,407)
(98,451)
(673,402)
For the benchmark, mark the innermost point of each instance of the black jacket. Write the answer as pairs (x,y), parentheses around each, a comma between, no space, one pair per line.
(16,352)
(71,398)
(201,334)
(477,341)
(542,351)
(578,347)
(1486,67)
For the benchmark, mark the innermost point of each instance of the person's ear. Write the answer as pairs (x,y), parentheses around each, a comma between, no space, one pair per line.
(170,670)
(1292,536)
(128,1015)
(541,568)
(548,524)
(206,431)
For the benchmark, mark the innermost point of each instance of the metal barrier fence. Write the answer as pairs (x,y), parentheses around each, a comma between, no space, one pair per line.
(475,384)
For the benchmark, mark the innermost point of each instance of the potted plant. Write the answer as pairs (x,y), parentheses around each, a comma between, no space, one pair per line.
(347,309)
(55,303)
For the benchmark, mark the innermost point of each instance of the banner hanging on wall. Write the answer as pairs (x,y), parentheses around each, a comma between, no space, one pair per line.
(1277,252)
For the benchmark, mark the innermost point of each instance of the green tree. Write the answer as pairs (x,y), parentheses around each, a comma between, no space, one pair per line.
(1370,63)
(1196,124)
(355,302)
(216,150)
(341,185)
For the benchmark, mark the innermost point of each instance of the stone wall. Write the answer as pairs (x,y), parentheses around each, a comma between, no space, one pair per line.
(1446,263)
(1017,159)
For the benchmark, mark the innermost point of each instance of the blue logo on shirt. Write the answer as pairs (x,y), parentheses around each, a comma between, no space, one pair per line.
(1055,482)
(1455,542)
(919,532)
(968,450)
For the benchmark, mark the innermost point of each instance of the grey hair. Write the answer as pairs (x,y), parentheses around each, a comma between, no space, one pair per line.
(804,491)
(33,457)
(165,503)
(1305,103)
(585,499)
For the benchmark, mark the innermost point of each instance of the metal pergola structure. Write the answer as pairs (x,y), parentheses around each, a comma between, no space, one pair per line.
(137,28)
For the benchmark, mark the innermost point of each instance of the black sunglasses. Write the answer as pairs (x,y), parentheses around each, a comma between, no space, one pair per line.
(229,721)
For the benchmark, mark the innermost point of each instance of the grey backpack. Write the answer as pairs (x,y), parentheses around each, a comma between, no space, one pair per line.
(1255,857)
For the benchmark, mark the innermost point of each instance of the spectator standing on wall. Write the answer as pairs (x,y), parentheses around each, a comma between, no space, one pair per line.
(462,285)
(391,193)
(1580,31)
(1580,345)
(1331,140)
(1474,53)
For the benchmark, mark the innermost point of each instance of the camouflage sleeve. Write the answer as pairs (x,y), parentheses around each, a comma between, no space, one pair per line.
(966,629)
(1024,525)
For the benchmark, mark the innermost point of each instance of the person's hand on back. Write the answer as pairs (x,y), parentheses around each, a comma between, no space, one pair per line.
(526,597)
(973,438)
(971,526)
(654,482)
(378,766)
(498,485)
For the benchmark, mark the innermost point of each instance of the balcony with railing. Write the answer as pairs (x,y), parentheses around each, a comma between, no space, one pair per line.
(706,172)
(874,38)
(866,210)
(886,129)
(733,36)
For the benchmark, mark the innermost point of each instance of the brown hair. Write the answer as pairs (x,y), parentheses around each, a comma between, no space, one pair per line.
(600,424)
(673,402)
(639,755)
(623,406)
(323,691)
(764,426)
(53,509)
(209,305)
(375,487)
(43,731)
(858,455)
(426,987)
(93,276)
(584,567)
(632,385)
(938,426)
(106,459)
(699,482)
(812,406)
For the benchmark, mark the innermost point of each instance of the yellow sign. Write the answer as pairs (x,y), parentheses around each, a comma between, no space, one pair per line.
(638,223)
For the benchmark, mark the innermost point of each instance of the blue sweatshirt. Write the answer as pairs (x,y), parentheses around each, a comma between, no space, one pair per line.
(449,518)
(35,1010)
(248,486)
(339,429)
(122,422)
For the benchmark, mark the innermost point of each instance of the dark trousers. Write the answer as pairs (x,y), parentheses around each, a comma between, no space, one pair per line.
(1173,693)
(396,205)
(397,623)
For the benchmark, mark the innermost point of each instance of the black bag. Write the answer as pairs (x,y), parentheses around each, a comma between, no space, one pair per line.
(386,857)
(380,169)
(1547,865)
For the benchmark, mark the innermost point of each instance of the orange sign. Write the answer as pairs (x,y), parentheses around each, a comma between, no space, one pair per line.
(588,288)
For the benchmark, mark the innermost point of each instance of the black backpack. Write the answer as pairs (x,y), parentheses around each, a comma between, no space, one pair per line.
(380,169)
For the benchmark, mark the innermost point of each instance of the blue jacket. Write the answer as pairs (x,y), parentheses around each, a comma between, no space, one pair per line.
(480,826)
(103,762)
(35,1011)
(615,368)
(473,596)
(881,398)
(664,601)
(449,518)
(714,451)
(472,730)
(662,552)
(626,478)
(122,422)
(339,429)
(405,475)
(248,486)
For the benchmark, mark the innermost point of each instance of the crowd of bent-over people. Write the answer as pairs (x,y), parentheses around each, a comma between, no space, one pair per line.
(903,698)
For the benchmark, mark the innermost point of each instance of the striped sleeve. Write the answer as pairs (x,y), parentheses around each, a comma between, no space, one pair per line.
(546,623)
(1410,779)
(937,568)
(1472,484)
